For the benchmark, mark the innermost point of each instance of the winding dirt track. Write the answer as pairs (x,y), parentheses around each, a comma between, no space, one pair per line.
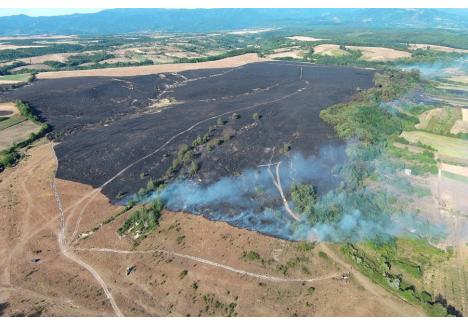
(212,263)
(87,198)
(389,299)
(64,245)
(64,249)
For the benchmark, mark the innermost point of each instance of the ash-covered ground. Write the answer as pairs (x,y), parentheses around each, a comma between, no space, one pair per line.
(104,124)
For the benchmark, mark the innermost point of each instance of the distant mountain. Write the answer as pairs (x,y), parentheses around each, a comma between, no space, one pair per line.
(116,21)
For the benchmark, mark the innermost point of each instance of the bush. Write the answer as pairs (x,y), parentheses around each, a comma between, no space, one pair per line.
(144,220)
(220,122)
(303,197)
(256,116)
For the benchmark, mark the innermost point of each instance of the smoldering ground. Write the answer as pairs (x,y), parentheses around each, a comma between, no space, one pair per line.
(340,213)
(440,68)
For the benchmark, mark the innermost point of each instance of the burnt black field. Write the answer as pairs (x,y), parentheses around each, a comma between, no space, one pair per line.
(103,124)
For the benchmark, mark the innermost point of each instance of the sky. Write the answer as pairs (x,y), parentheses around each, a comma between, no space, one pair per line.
(45,11)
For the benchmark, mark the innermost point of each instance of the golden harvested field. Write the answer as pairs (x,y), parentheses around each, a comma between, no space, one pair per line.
(380,54)
(329,49)
(61,57)
(283,53)
(435,48)
(154,69)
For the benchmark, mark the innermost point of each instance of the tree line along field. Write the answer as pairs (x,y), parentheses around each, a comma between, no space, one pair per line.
(356,47)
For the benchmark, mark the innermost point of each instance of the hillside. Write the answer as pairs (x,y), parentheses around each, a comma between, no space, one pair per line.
(114,21)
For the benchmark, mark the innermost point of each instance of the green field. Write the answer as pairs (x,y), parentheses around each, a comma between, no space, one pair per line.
(455,176)
(446,146)
(15,78)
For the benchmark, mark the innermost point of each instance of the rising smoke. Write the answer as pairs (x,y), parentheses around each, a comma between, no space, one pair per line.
(252,201)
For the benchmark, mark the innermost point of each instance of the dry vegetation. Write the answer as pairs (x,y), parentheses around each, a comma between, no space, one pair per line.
(173,272)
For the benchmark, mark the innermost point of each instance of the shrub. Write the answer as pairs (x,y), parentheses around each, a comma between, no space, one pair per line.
(220,122)
(256,116)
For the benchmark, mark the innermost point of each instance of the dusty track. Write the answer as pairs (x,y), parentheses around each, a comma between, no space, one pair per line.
(65,250)
(212,263)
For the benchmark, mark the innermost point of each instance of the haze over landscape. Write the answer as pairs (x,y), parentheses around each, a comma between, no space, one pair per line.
(234,162)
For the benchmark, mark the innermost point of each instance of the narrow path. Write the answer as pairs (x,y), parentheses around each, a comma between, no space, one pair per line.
(211,263)
(388,298)
(278,186)
(64,249)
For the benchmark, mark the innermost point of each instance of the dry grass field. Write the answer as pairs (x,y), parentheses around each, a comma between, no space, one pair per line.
(188,266)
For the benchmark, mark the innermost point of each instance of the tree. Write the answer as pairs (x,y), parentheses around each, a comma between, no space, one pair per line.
(256,116)
(194,167)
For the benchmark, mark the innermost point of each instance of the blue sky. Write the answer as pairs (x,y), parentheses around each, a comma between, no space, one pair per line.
(45,12)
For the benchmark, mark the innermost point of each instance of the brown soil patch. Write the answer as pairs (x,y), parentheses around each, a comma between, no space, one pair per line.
(435,48)
(154,69)
(183,280)
(380,54)
(17,133)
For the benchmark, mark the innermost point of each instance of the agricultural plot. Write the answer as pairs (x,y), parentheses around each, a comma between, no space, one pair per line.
(17,133)
(447,147)
(14,79)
